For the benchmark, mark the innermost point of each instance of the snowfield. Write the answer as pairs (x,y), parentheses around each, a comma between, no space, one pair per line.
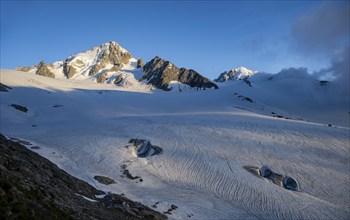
(206,137)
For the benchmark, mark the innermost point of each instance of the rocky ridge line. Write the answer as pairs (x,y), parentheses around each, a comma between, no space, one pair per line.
(160,73)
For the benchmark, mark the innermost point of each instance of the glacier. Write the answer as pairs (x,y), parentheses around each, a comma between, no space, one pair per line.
(207,138)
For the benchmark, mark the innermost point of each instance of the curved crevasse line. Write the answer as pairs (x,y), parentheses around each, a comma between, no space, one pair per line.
(190,170)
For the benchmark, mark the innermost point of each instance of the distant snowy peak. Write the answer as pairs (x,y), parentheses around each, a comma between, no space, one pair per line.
(235,74)
(160,73)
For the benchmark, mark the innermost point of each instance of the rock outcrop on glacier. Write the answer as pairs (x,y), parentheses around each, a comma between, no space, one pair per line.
(144,148)
(286,182)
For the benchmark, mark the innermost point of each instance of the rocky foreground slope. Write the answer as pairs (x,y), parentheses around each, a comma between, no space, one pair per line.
(31,187)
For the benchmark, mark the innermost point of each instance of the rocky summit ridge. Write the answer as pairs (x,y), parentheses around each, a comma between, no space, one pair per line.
(160,73)
(111,63)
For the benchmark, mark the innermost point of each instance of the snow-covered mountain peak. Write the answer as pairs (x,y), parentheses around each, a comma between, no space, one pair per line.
(109,52)
(245,71)
(235,74)
(108,47)
(115,46)
(106,63)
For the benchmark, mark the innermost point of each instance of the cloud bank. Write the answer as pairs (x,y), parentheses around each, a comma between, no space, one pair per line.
(325,31)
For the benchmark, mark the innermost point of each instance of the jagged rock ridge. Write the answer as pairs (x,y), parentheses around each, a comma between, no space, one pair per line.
(112,64)
(160,73)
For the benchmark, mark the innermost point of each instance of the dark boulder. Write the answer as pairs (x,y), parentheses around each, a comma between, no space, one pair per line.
(20,108)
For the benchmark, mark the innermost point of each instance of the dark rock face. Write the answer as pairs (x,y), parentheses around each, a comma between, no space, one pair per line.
(225,76)
(119,79)
(96,68)
(31,187)
(194,79)
(128,175)
(115,55)
(102,78)
(247,82)
(104,180)
(172,208)
(20,108)
(4,88)
(159,73)
(43,70)
(140,63)
(68,70)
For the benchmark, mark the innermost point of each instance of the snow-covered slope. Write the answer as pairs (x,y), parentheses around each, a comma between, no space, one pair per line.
(207,140)
(235,74)
(66,85)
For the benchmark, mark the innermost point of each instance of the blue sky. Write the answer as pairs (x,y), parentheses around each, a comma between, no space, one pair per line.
(208,36)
